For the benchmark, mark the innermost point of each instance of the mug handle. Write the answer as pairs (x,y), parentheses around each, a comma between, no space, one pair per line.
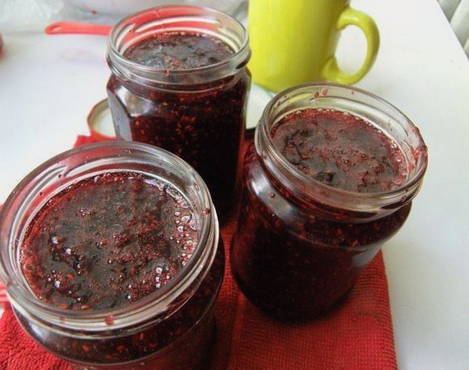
(349,16)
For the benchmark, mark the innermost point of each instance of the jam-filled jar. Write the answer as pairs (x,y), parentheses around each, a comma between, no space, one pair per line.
(179,81)
(110,254)
(330,178)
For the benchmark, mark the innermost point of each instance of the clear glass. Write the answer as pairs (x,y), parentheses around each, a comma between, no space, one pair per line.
(199,113)
(171,328)
(300,243)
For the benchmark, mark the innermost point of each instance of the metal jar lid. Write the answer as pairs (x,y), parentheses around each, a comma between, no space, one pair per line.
(100,122)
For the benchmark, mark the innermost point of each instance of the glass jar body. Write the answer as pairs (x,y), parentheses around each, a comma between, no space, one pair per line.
(198,113)
(292,261)
(171,327)
(301,243)
(204,126)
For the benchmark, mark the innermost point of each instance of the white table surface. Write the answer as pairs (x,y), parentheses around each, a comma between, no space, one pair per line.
(48,85)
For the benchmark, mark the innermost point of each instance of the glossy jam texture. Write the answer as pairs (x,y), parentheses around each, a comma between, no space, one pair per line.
(108,241)
(340,150)
(178,51)
(203,123)
(297,259)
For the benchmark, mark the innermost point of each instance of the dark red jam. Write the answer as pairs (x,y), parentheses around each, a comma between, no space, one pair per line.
(294,258)
(179,51)
(340,150)
(203,123)
(107,242)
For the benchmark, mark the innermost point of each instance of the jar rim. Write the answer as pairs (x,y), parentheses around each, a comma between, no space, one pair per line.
(123,66)
(336,197)
(137,312)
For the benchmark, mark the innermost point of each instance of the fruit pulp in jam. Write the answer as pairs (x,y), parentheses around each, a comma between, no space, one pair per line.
(108,241)
(290,257)
(340,150)
(203,123)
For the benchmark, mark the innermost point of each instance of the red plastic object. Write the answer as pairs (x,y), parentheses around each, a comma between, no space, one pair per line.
(61,28)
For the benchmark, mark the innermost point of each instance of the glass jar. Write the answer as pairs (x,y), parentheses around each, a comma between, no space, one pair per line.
(198,113)
(300,243)
(171,328)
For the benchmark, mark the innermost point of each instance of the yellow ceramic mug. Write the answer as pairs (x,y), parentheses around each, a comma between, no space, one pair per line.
(294,41)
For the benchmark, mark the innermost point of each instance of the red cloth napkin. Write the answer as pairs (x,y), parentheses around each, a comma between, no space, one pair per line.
(357,335)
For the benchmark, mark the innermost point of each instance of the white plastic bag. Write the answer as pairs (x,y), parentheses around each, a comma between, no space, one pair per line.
(124,7)
(35,15)
(28,15)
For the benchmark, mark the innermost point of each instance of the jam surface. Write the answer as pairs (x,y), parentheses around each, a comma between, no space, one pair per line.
(296,259)
(340,150)
(203,123)
(178,51)
(108,241)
